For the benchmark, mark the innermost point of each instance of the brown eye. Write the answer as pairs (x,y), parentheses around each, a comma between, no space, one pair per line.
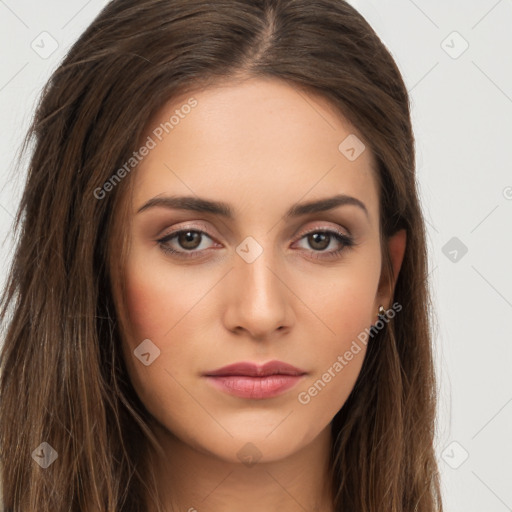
(185,243)
(189,239)
(319,241)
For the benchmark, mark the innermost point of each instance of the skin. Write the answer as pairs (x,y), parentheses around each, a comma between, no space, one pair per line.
(261,146)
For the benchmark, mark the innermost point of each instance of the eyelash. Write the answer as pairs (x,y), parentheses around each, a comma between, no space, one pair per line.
(345,240)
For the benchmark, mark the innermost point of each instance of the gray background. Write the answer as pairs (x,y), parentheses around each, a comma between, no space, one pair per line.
(462,110)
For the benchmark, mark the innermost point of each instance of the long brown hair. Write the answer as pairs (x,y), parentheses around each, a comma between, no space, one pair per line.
(63,380)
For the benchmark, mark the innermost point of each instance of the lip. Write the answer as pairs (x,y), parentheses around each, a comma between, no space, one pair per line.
(251,380)
(249,369)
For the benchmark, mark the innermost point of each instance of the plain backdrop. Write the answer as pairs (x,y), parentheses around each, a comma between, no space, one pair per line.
(456,59)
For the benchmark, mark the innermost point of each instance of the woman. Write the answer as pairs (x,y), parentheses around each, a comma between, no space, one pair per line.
(218,298)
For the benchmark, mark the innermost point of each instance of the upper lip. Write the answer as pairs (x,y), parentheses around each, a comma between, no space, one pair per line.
(257,370)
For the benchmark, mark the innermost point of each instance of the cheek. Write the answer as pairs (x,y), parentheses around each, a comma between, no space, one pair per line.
(165,306)
(156,298)
(154,308)
(348,316)
(145,299)
(346,303)
(337,359)
(347,309)
(151,310)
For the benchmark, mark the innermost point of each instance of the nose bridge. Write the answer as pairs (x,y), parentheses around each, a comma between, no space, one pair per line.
(259,297)
(255,267)
(257,279)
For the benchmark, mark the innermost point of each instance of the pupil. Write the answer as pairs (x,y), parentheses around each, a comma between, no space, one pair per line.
(322,235)
(187,239)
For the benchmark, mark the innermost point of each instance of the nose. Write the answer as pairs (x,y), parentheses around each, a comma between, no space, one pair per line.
(259,298)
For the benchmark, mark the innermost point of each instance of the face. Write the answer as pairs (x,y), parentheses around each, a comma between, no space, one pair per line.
(258,278)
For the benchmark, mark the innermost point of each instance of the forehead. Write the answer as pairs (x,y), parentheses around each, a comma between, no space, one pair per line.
(255,144)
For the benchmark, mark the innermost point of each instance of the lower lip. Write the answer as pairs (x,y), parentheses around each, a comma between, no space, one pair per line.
(254,387)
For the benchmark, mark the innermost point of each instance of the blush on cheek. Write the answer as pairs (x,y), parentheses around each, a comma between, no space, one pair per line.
(154,306)
(142,307)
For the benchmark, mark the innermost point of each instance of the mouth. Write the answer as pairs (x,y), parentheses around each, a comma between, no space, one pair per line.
(249,369)
(250,380)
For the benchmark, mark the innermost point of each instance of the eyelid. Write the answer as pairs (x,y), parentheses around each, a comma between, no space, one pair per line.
(203,229)
(323,227)
(346,240)
(177,228)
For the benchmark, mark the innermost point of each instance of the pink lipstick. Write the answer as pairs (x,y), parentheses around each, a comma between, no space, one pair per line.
(250,380)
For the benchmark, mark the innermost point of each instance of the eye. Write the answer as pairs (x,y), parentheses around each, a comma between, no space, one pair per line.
(189,243)
(320,240)
(190,240)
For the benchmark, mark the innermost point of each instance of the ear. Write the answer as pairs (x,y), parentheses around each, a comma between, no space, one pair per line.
(396,248)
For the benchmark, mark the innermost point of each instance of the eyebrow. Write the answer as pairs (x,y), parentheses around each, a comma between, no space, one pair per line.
(198,204)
